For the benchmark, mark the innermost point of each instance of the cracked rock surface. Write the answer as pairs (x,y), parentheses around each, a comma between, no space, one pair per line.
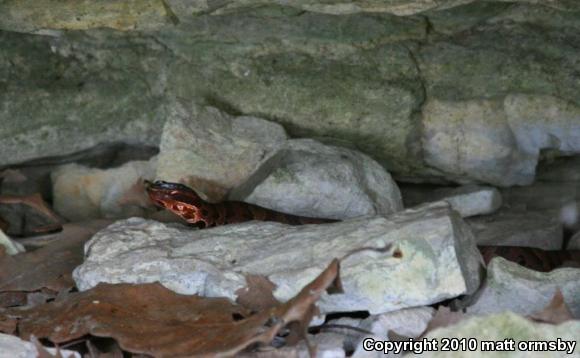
(436,258)
(396,87)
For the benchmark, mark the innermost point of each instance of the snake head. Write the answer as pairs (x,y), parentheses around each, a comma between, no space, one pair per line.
(168,195)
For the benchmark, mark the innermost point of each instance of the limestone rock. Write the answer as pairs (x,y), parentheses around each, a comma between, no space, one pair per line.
(213,151)
(409,322)
(468,200)
(511,287)
(12,247)
(388,84)
(439,259)
(45,15)
(83,193)
(37,15)
(499,327)
(14,347)
(310,179)
(518,228)
(498,142)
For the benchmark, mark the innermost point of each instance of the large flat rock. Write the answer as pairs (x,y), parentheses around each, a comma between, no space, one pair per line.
(436,258)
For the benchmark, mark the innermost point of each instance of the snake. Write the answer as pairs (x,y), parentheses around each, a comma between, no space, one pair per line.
(188,204)
(191,207)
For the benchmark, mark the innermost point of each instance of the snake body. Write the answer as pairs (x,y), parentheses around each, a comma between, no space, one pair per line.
(187,204)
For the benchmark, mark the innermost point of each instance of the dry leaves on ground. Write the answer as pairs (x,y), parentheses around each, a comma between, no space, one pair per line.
(151,319)
(49,266)
(28,215)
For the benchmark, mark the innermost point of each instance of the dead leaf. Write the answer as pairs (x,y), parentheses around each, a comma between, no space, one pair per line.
(36,217)
(49,266)
(257,295)
(151,319)
(42,351)
(11,299)
(555,312)
(7,324)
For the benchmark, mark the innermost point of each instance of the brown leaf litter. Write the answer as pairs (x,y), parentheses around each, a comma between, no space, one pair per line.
(49,266)
(151,319)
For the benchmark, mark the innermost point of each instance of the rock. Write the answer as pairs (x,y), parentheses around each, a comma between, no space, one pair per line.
(511,287)
(310,179)
(506,326)
(213,151)
(574,243)
(468,200)
(14,347)
(518,228)
(436,258)
(12,247)
(409,322)
(498,142)
(54,105)
(83,193)
(43,16)
(35,16)
(390,85)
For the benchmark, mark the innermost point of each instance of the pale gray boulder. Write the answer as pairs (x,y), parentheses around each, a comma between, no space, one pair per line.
(436,258)
(497,141)
(252,160)
(511,287)
(308,178)
(211,150)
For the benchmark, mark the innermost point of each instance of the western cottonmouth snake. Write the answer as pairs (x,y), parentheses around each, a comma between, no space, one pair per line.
(186,203)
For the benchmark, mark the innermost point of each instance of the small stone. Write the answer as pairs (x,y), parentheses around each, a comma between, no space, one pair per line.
(12,247)
(518,228)
(468,200)
(511,287)
(82,193)
(311,179)
(14,347)
(436,258)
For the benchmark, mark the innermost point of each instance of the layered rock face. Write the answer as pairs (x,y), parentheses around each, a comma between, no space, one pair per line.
(454,91)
